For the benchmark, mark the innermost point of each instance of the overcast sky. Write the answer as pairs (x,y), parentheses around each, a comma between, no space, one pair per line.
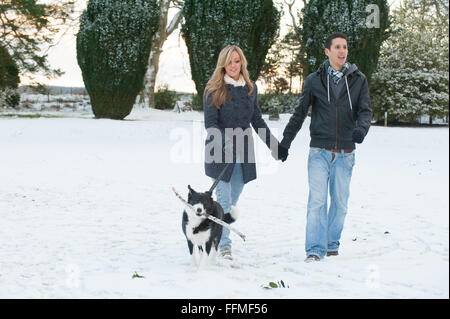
(174,67)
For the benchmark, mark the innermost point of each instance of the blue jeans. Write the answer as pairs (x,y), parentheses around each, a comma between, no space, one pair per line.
(227,195)
(333,172)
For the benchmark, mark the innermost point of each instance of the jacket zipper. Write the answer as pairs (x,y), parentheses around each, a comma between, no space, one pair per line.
(328,89)
(336,127)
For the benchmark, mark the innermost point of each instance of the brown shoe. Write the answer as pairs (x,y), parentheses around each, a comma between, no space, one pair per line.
(312,258)
(226,253)
(332,253)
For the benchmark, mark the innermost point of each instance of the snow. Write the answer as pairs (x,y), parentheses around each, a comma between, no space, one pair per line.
(87,203)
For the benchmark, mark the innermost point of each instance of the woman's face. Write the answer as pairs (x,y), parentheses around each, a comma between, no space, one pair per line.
(233,69)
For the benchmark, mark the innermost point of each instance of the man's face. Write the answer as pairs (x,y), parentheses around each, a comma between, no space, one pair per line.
(337,54)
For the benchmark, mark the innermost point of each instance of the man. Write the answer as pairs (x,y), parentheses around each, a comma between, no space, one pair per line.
(340,117)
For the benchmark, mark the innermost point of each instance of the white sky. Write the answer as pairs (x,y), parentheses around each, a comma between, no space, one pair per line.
(174,69)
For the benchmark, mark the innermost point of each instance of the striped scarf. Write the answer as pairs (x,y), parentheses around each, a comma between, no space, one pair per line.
(336,75)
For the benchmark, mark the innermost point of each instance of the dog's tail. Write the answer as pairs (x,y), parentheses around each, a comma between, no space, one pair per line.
(231,216)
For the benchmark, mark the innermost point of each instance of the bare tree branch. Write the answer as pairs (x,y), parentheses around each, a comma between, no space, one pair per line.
(290,5)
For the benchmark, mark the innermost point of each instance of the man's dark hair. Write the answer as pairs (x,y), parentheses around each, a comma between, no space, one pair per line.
(334,36)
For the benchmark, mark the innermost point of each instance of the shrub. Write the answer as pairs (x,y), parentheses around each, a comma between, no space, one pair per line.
(285,103)
(9,98)
(197,102)
(165,98)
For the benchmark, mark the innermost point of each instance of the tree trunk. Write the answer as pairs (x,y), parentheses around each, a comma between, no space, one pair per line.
(157,43)
(150,77)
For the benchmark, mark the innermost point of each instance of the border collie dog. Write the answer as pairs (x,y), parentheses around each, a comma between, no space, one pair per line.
(201,231)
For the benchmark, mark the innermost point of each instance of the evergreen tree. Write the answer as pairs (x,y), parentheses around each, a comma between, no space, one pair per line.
(113,46)
(271,69)
(282,64)
(295,57)
(9,80)
(210,25)
(9,72)
(412,77)
(364,21)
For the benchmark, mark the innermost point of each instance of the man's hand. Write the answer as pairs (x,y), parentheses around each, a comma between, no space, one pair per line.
(283,152)
(358,135)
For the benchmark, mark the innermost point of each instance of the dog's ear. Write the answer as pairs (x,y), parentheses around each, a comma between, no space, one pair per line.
(192,193)
(189,194)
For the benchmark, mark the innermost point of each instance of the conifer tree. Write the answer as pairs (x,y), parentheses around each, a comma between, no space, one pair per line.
(9,72)
(9,80)
(210,25)
(113,46)
(364,21)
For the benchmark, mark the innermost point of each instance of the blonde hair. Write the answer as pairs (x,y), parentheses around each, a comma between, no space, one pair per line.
(216,84)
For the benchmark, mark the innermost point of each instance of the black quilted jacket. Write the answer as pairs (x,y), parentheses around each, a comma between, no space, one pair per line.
(333,118)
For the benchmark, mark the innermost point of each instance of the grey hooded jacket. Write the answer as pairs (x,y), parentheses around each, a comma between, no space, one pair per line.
(333,118)
(234,115)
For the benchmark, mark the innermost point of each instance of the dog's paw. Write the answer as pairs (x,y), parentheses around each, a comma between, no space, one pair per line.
(194,261)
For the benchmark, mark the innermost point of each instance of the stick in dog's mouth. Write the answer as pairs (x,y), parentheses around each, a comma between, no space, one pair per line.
(214,219)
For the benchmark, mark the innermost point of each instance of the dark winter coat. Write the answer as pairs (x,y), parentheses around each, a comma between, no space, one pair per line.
(238,112)
(333,118)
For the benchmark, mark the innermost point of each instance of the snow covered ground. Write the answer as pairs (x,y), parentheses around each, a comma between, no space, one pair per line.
(86,204)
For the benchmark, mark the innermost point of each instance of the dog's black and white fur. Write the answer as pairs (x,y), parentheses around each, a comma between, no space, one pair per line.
(201,231)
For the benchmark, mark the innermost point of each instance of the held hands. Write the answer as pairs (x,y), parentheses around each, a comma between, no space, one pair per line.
(358,135)
(283,152)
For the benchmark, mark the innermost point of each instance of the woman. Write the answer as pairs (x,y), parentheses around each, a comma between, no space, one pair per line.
(230,105)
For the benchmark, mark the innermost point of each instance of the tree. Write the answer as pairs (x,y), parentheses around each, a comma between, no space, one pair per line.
(364,21)
(272,66)
(296,65)
(9,80)
(281,85)
(161,35)
(295,57)
(9,72)
(26,27)
(412,77)
(282,65)
(285,59)
(113,46)
(210,25)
